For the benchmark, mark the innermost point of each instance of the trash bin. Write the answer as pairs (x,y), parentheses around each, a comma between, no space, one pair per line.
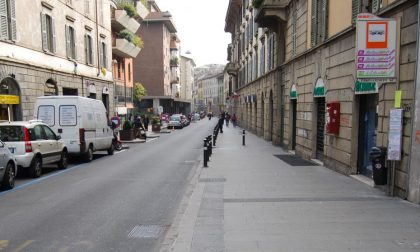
(380,174)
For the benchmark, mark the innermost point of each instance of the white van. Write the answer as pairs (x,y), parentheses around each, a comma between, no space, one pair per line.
(81,122)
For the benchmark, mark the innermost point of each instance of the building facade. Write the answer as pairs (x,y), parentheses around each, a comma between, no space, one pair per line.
(187,80)
(53,48)
(314,56)
(211,86)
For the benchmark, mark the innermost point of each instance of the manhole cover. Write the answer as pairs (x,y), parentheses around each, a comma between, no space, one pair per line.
(295,160)
(145,231)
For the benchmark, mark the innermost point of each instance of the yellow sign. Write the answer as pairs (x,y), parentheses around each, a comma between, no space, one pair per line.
(9,99)
(398,95)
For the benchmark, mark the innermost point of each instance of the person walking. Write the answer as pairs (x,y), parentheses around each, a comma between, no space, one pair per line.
(221,121)
(227,118)
(234,119)
(146,123)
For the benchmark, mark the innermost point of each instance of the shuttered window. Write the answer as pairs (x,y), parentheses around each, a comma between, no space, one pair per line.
(7,20)
(375,6)
(356,8)
(48,33)
(71,42)
(87,7)
(319,21)
(262,56)
(88,49)
(294,29)
(103,55)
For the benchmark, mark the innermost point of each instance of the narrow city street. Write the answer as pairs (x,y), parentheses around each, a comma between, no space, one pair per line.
(123,202)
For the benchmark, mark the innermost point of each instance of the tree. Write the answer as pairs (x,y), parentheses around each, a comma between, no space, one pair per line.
(138,92)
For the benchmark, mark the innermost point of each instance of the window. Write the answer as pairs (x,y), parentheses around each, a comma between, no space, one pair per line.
(7,20)
(372,6)
(48,33)
(129,72)
(101,12)
(294,28)
(88,49)
(49,133)
(103,55)
(262,53)
(69,2)
(70,42)
(319,21)
(37,134)
(87,7)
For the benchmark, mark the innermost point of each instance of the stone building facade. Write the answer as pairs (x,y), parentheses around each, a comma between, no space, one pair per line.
(53,48)
(316,69)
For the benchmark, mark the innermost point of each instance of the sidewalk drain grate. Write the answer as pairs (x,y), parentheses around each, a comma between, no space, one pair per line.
(145,231)
(295,160)
(212,180)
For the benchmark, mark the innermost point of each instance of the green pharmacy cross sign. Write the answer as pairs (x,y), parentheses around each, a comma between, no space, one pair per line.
(366,87)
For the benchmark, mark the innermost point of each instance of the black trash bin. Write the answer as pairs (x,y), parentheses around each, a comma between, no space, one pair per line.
(380,174)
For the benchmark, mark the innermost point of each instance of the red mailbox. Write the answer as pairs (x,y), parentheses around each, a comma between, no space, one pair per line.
(332,119)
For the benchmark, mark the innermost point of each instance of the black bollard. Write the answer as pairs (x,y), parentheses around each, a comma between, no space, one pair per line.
(205,153)
(210,145)
(214,139)
(243,137)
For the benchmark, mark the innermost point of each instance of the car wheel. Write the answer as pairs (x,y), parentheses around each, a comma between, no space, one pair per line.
(111,149)
(9,177)
(62,164)
(35,170)
(89,155)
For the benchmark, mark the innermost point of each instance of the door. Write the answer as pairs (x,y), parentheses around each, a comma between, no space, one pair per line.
(41,144)
(293,124)
(368,123)
(54,151)
(320,127)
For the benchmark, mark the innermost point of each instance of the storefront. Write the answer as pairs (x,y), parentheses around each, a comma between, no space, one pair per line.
(10,102)
(319,102)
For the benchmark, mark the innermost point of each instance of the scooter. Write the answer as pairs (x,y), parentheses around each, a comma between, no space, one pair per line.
(116,142)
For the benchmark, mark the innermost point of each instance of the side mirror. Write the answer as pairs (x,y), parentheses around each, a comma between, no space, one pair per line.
(1,144)
(58,137)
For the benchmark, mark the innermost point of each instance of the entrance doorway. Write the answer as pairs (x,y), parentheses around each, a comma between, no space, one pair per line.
(293,107)
(105,101)
(320,125)
(368,124)
(10,108)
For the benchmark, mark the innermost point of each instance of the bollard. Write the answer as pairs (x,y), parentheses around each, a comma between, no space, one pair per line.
(210,145)
(243,137)
(205,153)
(214,139)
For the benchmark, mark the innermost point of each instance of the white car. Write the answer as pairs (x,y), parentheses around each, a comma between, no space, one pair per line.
(33,144)
(175,121)
(8,168)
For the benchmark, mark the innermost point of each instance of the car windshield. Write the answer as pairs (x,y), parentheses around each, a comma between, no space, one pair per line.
(175,118)
(11,133)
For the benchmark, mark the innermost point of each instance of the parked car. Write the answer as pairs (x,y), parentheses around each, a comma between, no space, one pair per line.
(175,121)
(8,168)
(33,144)
(81,122)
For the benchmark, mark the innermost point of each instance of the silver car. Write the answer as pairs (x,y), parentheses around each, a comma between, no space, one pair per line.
(175,121)
(8,168)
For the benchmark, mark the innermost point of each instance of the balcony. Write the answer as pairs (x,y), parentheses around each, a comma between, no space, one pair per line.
(232,68)
(124,48)
(120,21)
(271,12)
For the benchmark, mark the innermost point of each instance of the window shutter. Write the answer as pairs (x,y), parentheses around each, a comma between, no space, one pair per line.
(86,49)
(101,12)
(375,6)
(74,43)
(4,29)
(68,46)
(294,30)
(324,20)
(356,9)
(314,20)
(105,56)
(92,59)
(12,11)
(101,55)
(87,7)
(44,32)
(53,42)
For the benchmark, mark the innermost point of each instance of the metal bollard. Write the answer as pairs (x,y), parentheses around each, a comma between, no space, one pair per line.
(210,145)
(205,153)
(243,137)
(214,139)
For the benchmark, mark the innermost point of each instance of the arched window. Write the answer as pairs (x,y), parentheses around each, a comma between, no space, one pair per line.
(50,88)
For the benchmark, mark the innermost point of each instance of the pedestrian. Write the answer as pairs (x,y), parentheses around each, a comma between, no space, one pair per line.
(138,126)
(146,123)
(234,119)
(227,118)
(221,121)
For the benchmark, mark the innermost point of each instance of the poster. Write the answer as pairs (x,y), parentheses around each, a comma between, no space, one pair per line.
(46,114)
(68,115)
(395,134)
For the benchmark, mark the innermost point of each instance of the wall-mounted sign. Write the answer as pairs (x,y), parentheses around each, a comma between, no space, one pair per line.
(105,90)
(319,90)
(395,134)
(9,99)
(375,46)
(293,92)
(91,87)
(365,86)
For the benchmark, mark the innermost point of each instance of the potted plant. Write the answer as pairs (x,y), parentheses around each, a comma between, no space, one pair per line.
(155,124)
(127,134)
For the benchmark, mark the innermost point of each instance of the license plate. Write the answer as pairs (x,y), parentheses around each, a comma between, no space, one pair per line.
(12,150)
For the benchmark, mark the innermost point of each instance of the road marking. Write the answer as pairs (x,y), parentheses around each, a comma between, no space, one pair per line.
(153,139)
(36,181)
(118,152)
(23,245)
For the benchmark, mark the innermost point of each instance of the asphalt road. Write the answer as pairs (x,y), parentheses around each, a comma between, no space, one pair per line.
(124,202)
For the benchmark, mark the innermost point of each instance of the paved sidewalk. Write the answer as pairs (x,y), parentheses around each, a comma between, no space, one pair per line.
(249,200)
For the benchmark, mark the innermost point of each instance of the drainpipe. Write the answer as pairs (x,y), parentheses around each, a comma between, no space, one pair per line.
(97,37)
(413,181)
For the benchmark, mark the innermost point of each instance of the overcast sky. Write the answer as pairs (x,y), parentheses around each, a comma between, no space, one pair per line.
(200,25)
